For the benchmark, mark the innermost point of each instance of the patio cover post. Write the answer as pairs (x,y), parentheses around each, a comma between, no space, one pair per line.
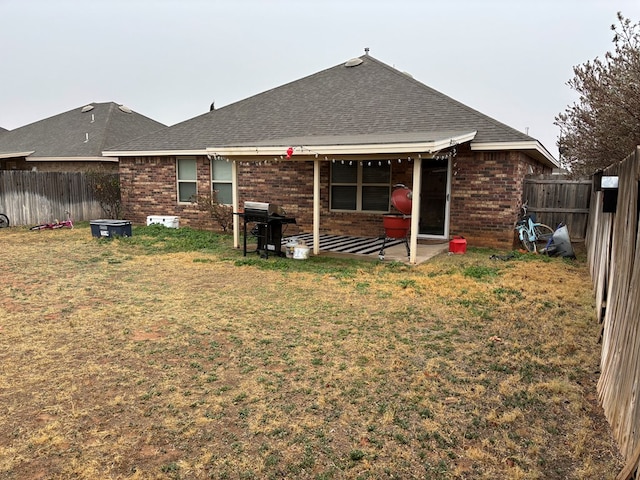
(235,204)
(415,210)
(316,206)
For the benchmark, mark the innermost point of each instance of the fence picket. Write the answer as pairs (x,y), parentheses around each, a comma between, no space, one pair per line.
(613,250)
(559,199)
(29,198)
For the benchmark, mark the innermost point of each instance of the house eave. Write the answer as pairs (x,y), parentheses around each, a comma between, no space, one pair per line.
(15,154)
(278,148)
(532,147)
(152,153)
(70,159)
(375,144)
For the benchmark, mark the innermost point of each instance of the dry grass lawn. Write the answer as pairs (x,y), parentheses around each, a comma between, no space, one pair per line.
(176,358)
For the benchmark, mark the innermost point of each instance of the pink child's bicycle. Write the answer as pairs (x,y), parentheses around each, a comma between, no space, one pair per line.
(52,226)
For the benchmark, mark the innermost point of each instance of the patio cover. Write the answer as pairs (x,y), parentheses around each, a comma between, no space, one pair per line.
(415,145)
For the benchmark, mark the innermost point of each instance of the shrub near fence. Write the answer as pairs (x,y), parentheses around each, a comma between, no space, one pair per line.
(30,198)
(613,246)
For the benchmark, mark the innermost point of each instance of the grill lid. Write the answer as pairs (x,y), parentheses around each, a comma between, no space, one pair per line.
(401,199)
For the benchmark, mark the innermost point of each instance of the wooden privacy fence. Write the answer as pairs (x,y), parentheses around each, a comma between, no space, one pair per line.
(613,243)
(30,198)
(559,199)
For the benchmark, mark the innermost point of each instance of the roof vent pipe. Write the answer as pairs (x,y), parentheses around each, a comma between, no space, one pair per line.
(86,137)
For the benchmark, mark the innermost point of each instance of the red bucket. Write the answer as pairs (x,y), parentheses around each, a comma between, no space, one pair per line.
(458,245)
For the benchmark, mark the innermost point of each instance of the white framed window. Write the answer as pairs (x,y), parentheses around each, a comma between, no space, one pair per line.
(187,174)
(221,180)
(361,186)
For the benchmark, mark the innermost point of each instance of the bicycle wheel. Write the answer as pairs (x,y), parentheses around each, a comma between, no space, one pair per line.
(4,220)
(544,234)
(528,245)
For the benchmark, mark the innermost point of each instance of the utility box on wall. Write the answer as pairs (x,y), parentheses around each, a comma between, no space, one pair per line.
(609,185)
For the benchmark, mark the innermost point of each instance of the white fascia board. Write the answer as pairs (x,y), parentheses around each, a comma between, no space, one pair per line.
(16,154)
(71,159)
(457,140)
(320,150)
(154,153)
(528,145)
(352,149)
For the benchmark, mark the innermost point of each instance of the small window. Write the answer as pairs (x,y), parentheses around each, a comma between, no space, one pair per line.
(361,186)
(221,180)
(187,180)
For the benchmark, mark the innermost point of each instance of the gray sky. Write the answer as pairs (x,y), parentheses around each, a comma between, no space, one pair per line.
(169,59)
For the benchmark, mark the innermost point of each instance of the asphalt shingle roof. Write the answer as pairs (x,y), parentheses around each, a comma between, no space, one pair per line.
(369,99)
(65,135)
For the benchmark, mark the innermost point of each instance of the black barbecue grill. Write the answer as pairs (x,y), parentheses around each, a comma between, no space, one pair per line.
(268,219)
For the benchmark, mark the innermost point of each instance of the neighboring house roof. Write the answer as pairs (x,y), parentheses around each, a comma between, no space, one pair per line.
(360,101)
(79,134)
(3,130)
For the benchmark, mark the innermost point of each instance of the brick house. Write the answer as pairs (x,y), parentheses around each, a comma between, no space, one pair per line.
(329,148)
(73,141)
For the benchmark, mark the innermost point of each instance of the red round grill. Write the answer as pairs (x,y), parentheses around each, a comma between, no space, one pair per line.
(396,225)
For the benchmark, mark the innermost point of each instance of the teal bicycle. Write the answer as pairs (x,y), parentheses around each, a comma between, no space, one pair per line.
(535,237)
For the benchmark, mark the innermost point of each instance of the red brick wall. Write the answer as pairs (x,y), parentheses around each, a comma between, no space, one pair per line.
(149,187)
(485,194)
(290,185)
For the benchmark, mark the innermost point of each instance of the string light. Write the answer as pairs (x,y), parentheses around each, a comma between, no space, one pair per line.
(363,163)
